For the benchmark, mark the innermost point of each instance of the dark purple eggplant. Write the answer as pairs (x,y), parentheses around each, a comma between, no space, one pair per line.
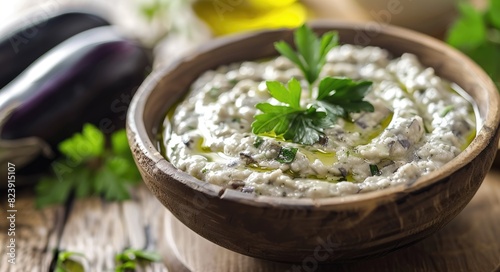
(90,78)
(25,43)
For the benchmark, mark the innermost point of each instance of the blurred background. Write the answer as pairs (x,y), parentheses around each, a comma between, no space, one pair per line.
(174,27)
(178,25)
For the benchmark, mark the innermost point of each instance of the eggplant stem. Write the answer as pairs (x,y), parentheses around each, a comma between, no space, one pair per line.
(22,151)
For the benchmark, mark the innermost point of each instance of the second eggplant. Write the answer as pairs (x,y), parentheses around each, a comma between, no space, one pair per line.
(89,78)
(25,43)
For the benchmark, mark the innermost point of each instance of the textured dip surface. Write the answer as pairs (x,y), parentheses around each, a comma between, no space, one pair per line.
(420,123)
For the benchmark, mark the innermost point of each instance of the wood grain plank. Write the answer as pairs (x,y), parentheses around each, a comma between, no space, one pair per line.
(471,242)
(100,230)
(36,234)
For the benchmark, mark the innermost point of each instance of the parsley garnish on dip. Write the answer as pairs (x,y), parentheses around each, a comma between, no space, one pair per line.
(325,120)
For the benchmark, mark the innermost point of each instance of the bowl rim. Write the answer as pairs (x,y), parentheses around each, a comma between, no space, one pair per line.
(139,136)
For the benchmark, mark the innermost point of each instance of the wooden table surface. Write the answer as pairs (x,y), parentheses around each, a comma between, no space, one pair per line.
(97,229)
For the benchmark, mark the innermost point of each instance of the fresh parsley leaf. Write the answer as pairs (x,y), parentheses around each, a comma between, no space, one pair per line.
(274,119)
(287,51)
(487,55)
(307,127)
(336,96)
(469,31)
(287,155)
(88,144)
(258,142)
(289,121)
(494,13)
(66,264)
(145,255)
(374,170)
(89,168)
(129,259)
(81,177)
(290,95)
(119,144)
(477,34)
(50,190)
(113,179)
(341,96)
(311,51)
(126,267)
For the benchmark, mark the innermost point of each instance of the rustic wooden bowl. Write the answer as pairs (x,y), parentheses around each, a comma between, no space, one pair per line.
(306,230)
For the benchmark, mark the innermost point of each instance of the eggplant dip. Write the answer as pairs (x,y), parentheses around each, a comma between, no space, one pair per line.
(418,123)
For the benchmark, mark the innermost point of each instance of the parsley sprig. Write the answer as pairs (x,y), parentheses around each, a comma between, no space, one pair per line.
(477,34)
(342,96)
(311,51)
(336,96)
(65,263)
(290,121)
(129,259)
(90,165)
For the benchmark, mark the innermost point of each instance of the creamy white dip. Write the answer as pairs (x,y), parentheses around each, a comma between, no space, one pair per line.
(419,124)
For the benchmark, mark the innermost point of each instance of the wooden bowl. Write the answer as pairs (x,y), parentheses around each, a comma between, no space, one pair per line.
(307,230)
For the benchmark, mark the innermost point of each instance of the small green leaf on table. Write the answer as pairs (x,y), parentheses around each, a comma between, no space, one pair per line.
(89,167)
